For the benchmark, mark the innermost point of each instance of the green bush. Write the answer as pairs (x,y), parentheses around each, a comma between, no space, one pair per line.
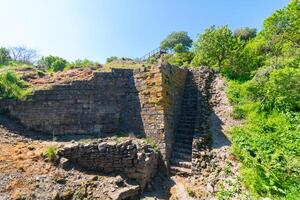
(268,144)
(181,59)
(238,113)
(4,56)
(110,59)
(50,153)
(82,63)
(53,63)
(269,148)
(279,90)
(12,87)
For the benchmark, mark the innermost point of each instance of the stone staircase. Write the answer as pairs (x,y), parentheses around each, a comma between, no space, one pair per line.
(182,147)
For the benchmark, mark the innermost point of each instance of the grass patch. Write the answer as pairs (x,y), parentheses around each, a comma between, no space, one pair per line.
(238,113)
(12,87)
(151,142)
(190,192)
(50,153)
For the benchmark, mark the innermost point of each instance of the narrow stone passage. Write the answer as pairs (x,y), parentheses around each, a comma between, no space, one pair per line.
(182,149)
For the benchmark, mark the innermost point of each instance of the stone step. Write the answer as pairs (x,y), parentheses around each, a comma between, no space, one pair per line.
(185,113)
(184,150)
(189,106)
(186,125)
(186,120)
(188,114)
(179,144)
(192,109)
(186,141)
(181,171)
(184,136)
(180,163)
(187,99)
(184,156)
(183,141)
(185,129)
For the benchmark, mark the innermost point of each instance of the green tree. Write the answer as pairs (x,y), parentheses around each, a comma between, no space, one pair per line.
(4,56)
(245,58)
(110,59)
(53,63)
(245,34)
(179,41)
(181,58)
(214,46)
(281,32)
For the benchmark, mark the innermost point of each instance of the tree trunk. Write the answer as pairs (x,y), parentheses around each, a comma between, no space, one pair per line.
(219,66)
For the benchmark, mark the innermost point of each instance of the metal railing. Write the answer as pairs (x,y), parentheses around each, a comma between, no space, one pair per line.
(157,51)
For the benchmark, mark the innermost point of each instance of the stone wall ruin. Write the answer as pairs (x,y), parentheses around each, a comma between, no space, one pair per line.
(144,101)
(136,161)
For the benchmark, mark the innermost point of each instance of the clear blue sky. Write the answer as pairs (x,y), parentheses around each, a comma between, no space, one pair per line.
(97,29)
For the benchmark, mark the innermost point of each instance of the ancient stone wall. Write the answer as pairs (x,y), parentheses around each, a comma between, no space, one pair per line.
(145,101)
(80,107)
(202,136)
(138,162)
(173,88)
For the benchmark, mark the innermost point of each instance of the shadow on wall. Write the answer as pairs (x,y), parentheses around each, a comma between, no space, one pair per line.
(130,116)
(103,106)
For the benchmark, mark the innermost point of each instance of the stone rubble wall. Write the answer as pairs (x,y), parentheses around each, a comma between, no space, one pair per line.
(79,107)
(136,161)
(202,136)
(144,101)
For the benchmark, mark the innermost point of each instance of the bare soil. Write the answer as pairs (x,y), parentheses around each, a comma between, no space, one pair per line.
(25,173)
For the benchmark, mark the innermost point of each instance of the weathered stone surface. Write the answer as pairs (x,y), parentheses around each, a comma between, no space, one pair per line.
(144,101)
(138,164)
(130,192)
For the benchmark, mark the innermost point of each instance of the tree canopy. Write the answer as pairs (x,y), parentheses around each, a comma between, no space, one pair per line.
(4,56)
(245,34)
(214,46)
(177,41)
(53,63)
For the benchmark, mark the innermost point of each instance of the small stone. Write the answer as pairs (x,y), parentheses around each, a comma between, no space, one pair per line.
(119,181)
(210,188)
(94,178)
(67,194)
(61,181)
(55,195)
(64,163)
(31,148)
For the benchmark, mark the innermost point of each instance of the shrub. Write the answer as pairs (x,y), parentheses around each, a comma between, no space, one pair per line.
(82,63)
(4,56)
(53,63)
(50,153)
(58,65)
(12,87)
(110,59)
(238,113)
(151,142)
(279,90)
(268,147)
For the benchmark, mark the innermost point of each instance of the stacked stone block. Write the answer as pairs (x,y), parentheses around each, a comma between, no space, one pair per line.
(138,162)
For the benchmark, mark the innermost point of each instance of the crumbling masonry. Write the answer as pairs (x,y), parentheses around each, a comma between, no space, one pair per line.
(164,102)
